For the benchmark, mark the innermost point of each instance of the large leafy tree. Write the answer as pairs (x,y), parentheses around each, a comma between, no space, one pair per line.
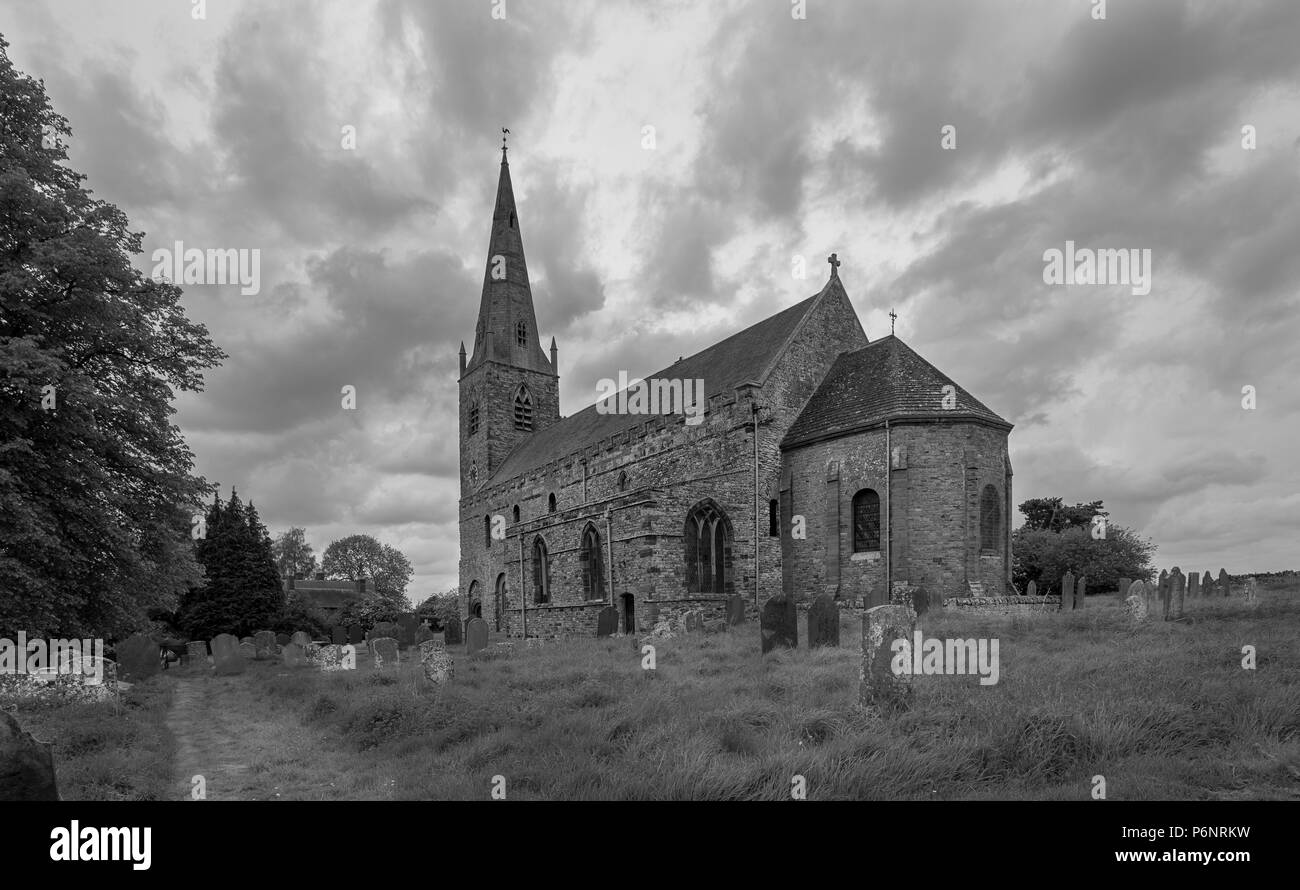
(1056,539)
(96,482)
(1054,515)
(386,568)
(293,555)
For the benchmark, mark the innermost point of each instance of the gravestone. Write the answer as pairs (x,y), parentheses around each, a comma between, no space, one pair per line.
(1193,585)
(407,625)
(226,656)
(356,634)
(1207,585)
(1178,590)
(384,653)
(1164,589)
(1252,592)
(1032,590)
(692,621)
(1124,585)
(26,765)
(423,633)
(606,621)
(436,662)
(137,658)
(735,611)
(382,629)
(879,687)
(451,632)
(1163,584)
(1067,592)
(245,639)
(779,624)
(476,635)
(1223,582)
(196,653)
(1136,601)
(247,650)
(823,622)
(330,658)
(920,602)
(293,655)
(281,639)
(300,638)
(265,642)
(1080,590)
(1152,592)
(338,635)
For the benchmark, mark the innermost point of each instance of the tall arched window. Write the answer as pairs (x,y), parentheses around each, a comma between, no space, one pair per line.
(523,409)
(521,333)
(593,564)
(550,503)
(514,514)
(487,531)
(707,547)
(866,521)
(473,417)
(622,480)
(990,519)
(472,602)
(774,518)
(541,572)
(499,601)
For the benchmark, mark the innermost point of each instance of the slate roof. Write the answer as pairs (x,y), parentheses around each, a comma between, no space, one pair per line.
(747,355)
(325,594)
(885,380)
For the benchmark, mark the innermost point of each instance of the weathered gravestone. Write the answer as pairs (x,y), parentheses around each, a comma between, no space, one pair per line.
(692,621)
(606,621)
(423,633)
(281,639)
(292,655)
(407,626)
(823,622)
(1252,592)
(1224,584)
(1080,591)
(330,658)
(300,638)
(247,650)
(920,601)
(384,653)
(1136,601)
(779,624)
(1178,590)
(1067,592)
(226,656)
(451,632)
(1163,588)
(137,658)
(1193,585)
(265,642)
(436,662)
(382,629)
(26,765)
(1032,590)
(356,634)
(196,653)
(1207,585)
(879,687)
(735,610)
(476,635)
(338,635)
(1124,585)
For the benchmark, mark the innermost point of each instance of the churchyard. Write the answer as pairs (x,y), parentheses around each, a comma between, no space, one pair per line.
(1160,709)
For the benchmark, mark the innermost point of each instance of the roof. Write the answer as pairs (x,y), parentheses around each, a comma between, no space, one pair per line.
(330,597)
(885,380)
(745,356)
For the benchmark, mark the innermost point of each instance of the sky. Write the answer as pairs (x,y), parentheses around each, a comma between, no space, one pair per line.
(678,167)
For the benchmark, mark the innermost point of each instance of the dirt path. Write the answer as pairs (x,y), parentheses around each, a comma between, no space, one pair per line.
(211,725)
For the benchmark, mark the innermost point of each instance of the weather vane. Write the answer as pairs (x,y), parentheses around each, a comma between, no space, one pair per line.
(504,133)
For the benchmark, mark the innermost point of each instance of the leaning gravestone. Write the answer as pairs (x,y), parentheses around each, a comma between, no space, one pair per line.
(451,632)
(265,642)
(1178,591)
(606,621)
(300,638)
(476,635)
(292,655)
(879,687)
(436,662)
(1223,582)
(281,639)
(226,655)
(1032,590)
(384,653)
(692,621)
(407,625)
(338,635)
(779,625)
(735,610)
(196,652)
(137,658)
(1067,592)
(26,765)
(823,622)
(356,634)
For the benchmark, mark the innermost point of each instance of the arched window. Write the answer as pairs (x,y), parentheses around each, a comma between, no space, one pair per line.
(473,474)
(866,521)
(707,547)
(499,601)
(473,602)
(774,518)
(622,480)
(514,514)
(541,572)
(990,519)
(550,503)
(487,531)
(593,564)
(473,417)
(523,409)
(521,333)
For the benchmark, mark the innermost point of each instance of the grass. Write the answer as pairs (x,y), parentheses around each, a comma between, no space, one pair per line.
(1162,711)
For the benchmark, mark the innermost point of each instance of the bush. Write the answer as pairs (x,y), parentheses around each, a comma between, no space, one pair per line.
(1045,556)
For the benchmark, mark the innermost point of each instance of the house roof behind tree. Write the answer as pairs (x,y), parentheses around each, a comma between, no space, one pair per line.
(325,594)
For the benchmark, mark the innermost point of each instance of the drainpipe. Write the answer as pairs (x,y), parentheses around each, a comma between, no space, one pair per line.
(754,411)
(889,478)
(609,551)
(523,590)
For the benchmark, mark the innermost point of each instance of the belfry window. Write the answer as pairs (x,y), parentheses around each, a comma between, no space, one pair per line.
(521,333)
(473,417)
(523,409)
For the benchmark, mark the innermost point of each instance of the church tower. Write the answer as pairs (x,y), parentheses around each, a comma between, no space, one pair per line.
(508,389)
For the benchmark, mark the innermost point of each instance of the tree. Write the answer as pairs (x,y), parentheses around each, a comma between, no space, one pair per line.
(361,556)
(1044,556)
(1052,515)
(96,482)
(440,610)
(293,555)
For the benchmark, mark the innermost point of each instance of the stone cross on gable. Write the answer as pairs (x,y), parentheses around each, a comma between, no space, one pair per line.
(892,315)
(834,260)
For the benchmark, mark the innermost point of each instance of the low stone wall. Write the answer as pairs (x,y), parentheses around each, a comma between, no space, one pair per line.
(1004,605)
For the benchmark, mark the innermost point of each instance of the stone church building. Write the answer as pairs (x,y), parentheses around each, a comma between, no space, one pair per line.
(824,462)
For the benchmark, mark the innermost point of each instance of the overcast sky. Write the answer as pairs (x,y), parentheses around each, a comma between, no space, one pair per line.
(773,138)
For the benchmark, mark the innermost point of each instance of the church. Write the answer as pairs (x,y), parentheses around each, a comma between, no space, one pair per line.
(819,462)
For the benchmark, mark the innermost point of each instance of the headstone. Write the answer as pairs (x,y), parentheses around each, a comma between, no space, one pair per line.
(423,633)
(735,610)
(26,765)
(338,635)
(1223,582)
(384,653)
(356,634)
(382,629)
(692,621)
(281,639)
(137,658)
(330,658)
(1193,585)
(1067,592)
(300,638)
(1124,585)
(196,653)
(245,639)
(226,655)
(476,635)
(1080,590)
(1164,589)
(451,632)
(1032,590)
(1207,584)
(1152,592)
(247,650)
(407,625)
(293,655)
(1178,590)
(1136,601)
(879,687)
(779,625)
(436,662)
(823,622)
(920,601)
(1252,592)
(606,621)
(265,642)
